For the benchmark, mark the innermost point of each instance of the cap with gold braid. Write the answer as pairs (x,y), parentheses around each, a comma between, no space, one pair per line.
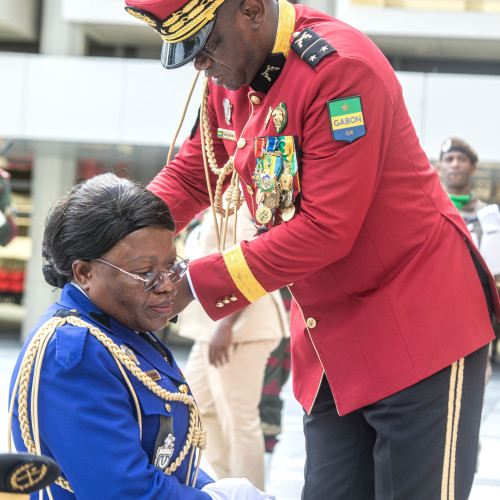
(183,26)
(23,473)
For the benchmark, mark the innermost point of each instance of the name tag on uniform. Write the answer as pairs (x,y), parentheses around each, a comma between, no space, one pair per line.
(153,375)
(227,135)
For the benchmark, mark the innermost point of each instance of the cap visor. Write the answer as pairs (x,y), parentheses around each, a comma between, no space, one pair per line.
(174,55)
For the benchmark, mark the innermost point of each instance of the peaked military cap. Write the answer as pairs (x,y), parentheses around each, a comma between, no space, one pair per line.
(183,25)
(26,472)
(457,144)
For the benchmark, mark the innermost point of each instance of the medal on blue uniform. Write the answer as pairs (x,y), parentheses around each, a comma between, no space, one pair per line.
(164,453)
(127,350)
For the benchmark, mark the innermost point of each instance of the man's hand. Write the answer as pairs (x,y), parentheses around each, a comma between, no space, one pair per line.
(218,352)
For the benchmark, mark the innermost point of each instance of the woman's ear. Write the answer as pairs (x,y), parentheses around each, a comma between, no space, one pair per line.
(82,272)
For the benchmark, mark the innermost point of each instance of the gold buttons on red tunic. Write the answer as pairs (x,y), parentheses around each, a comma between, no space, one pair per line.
(255,100)
(241,143)
(311,323)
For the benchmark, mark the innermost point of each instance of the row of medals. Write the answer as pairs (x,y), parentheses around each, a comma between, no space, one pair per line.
(274,193)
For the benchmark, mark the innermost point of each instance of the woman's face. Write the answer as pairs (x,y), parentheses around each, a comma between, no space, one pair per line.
(121,296)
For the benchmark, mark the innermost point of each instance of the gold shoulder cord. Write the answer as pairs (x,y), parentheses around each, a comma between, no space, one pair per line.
(196,437)
(233,193)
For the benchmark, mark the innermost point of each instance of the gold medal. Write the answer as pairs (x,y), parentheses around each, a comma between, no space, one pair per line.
(286,198)
(280,117)
(288,213)
(286,181)
(263,215)
(130,352)
(259,198)
(272,199)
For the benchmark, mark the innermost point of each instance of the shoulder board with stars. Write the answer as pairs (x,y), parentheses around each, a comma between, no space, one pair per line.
(311,47)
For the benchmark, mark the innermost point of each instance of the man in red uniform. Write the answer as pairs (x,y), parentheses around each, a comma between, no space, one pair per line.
(389,320)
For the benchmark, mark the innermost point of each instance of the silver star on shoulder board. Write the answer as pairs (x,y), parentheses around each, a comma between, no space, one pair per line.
(324,48)
(312,58)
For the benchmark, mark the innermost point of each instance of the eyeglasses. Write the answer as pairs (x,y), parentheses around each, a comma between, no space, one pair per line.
(154,280)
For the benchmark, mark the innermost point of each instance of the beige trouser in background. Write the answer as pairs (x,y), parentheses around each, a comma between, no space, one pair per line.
(228,398)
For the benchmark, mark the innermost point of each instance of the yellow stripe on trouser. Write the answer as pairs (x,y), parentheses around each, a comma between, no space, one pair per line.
(241,274)
(450,449)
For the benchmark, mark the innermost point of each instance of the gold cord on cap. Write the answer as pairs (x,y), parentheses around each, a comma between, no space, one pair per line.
(182,23)
(187,21)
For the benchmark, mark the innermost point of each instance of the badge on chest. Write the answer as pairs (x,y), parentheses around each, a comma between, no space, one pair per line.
(165,443)
(276,178)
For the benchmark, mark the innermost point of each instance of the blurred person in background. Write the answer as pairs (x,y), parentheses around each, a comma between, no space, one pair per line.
(8,226)
(271,404)
(457,165)
(227,363)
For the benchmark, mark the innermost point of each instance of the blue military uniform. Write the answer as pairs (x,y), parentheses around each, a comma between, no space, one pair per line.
(87,415)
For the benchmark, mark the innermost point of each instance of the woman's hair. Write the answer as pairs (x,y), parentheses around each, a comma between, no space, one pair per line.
(93,218)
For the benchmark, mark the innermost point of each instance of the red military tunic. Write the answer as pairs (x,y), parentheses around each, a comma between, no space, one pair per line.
(385,290)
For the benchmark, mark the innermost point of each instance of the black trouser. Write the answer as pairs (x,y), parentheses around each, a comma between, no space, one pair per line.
(418,444)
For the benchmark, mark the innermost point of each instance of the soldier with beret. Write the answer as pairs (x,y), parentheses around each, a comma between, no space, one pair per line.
(457,166)
(303,119)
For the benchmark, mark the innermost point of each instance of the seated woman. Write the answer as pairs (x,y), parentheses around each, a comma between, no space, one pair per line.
(93,388)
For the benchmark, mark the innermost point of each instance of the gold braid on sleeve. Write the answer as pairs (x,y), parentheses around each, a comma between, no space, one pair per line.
(196,436)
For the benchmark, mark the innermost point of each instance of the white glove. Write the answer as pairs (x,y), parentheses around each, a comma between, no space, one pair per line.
(234,489)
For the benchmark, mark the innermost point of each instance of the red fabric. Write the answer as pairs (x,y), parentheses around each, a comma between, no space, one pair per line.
(161,9)
(376,251)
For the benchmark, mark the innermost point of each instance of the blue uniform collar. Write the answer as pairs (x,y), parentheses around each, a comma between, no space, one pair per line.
(72,297)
